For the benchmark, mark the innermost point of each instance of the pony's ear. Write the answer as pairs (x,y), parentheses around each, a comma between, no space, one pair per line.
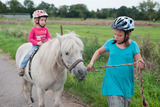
(58,34)
(59,37)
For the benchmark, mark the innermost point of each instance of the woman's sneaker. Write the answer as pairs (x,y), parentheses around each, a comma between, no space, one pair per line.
(22,72)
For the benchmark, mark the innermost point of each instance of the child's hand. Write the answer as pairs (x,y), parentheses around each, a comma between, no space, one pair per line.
(89,67)
(39,43)
(141,65)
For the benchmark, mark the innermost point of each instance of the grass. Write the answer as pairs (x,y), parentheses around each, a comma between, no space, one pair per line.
(9,44)
(89,90)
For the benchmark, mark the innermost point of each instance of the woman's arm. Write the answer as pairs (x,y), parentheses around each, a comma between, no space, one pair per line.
(95,56)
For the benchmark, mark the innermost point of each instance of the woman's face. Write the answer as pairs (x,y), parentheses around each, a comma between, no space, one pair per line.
(119,35)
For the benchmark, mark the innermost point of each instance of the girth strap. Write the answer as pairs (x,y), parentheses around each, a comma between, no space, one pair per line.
(30,61)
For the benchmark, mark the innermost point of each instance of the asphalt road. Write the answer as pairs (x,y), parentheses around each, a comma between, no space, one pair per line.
(10,89)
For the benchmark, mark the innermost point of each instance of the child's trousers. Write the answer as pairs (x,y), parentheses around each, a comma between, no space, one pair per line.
(118,101)
(28,55)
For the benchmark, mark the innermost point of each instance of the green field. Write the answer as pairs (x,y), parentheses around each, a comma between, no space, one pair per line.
(89,90)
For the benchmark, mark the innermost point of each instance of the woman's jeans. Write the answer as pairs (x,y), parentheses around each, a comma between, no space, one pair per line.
(28,55)
(118,101)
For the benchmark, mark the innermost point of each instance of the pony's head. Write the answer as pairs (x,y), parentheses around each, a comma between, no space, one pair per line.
(71,50)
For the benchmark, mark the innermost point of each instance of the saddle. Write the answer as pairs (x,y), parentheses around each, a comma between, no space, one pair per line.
(30,61)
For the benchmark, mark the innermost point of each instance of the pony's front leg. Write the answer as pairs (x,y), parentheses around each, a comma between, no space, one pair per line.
(57,97)
(40,94)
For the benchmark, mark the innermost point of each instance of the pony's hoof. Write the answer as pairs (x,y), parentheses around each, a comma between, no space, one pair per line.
(58,105)
(30,105)
(41,106)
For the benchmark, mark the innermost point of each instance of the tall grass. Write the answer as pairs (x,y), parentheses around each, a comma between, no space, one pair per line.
(93,38)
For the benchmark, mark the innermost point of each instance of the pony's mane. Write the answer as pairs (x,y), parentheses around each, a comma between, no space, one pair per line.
(50,52)
(71,42)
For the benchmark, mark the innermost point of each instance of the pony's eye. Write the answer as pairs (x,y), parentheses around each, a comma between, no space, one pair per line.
(67,53)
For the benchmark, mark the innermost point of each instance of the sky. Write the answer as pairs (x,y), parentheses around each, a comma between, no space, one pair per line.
(91,4)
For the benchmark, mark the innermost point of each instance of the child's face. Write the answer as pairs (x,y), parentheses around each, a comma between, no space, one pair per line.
(42,21)
(119,35)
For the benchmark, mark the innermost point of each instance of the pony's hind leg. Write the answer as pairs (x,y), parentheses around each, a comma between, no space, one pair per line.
(27,88)
(40,94)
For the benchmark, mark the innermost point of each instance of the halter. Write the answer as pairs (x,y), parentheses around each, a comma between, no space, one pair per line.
(73,65)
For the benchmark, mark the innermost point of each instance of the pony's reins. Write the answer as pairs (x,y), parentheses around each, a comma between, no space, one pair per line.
(145,103)
(113,65)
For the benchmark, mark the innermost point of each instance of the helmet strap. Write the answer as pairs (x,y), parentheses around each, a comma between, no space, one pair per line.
(39,23)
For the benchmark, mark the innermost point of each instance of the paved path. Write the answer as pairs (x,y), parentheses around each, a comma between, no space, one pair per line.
(10,89)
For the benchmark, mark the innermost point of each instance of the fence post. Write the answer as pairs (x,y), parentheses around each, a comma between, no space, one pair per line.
(61,30)
(0,29)
(19,27)
(7,25)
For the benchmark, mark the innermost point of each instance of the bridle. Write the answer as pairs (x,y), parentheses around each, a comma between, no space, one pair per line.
(73,65)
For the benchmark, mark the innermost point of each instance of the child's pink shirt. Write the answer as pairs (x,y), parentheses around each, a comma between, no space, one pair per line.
(39,34)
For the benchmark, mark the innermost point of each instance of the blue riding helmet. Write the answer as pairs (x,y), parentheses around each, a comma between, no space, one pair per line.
(123,23)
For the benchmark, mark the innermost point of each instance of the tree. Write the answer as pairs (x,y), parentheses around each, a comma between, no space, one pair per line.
(149,8)
(49,8)
(133,12)
(113,13)
(105,12)
(99,14)
(93,14)
(3,8)
(52,10)
(122,11)
(43,5)
(15,6)
(78,10)
(158,14)
(29,6)
(63,11)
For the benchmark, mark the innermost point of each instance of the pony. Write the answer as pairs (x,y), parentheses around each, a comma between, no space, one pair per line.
(49,66)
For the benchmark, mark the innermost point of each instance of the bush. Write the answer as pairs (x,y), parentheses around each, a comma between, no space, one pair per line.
(90,46)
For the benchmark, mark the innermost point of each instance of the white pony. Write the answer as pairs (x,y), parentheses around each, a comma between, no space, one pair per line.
(48,66)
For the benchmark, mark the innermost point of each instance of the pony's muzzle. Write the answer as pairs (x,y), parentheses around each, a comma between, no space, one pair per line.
(81,74)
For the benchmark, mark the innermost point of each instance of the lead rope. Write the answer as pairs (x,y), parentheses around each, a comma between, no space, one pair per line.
(145,103)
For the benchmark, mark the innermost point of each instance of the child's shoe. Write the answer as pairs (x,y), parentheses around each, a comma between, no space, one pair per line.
(22,72)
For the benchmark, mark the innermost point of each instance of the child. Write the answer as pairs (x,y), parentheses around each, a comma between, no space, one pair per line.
(118,83)
(37,36)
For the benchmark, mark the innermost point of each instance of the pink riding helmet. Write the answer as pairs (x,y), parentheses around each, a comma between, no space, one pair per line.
(39,13)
